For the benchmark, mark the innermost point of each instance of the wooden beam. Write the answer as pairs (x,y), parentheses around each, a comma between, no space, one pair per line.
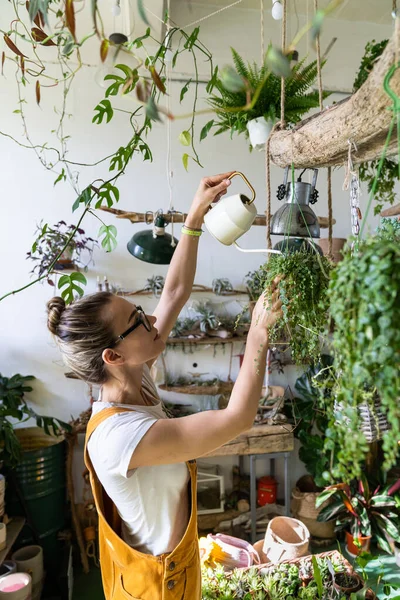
(260,439)
(392,211)
(363,118)
(135,217)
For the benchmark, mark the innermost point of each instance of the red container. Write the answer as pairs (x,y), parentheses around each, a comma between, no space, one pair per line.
(266,490)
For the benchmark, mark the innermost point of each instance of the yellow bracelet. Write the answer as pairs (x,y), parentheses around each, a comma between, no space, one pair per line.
(193,232)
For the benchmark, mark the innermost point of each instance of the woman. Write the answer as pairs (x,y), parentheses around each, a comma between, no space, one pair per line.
(141,463)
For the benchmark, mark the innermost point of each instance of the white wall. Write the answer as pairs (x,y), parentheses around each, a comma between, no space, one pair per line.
(28,195)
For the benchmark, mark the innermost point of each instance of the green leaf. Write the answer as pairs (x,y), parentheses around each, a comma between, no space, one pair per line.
(109,193)
(206,129)
(185,138)
(325,495)
(277,62)
(84,198)
(104,109)
(109,241)
(69,286)
(317,576)
(152,110)
(316,24)
(61,177)
(142,12)
(184,90)
(190,42)
(231,80)
(185,161)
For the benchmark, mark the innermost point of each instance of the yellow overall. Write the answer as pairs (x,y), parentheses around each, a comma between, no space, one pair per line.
(127,573)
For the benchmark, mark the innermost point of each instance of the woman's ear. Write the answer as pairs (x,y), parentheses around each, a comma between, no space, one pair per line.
(112,358)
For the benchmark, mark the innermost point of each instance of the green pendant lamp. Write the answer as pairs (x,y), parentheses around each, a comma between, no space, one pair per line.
(154,245)
(295,219)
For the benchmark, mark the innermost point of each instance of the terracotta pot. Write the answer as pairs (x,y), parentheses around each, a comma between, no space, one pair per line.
(365,543)
(347,583)
(337,246)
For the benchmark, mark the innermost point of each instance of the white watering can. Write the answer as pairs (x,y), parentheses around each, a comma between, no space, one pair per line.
(232,217)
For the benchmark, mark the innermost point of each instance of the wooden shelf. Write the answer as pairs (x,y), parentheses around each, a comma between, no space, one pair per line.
(197,289)
(205,341)
(14,528)
(222,387)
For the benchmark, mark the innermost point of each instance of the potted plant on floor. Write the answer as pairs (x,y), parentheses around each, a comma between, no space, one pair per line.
(50,241)
(34,462)
(363,513)
(257,122)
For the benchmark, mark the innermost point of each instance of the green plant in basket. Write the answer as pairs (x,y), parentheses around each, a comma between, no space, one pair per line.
(365,306)
(303,289)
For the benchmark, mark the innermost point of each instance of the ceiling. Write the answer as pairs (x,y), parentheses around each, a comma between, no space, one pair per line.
(374,11)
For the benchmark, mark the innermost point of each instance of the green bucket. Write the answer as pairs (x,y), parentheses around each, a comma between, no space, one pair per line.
(41,479)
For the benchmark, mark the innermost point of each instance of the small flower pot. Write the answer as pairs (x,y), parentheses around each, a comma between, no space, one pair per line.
(337,247)
(66,259)
(347,583)
(364,542)
(259,130)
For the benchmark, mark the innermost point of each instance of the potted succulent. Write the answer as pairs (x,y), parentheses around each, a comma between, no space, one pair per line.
(254,287)
(257,122)
(50,241)
(363,512)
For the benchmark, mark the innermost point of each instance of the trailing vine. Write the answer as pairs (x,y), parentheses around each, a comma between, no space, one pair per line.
(365,305)
(42,24)
(303,290)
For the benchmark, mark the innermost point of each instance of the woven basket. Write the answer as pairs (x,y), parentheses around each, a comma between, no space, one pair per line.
(285,539)
(373,421)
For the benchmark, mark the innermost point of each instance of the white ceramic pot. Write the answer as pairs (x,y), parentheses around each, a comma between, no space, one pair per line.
(30,560)
(17,586)
(232,216)
(259,130)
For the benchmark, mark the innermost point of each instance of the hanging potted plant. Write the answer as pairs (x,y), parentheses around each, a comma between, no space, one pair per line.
(50,241)
(303,290)
(363,513)
(257,122)
(364,300)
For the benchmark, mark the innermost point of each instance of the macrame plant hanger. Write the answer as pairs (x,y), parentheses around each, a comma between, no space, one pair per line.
(281,125)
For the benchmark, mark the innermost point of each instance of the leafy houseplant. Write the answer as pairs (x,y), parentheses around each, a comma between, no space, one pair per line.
(50,241)
(14,407)
(155,285)
(389,174)
(227,103)
(312,421)
(365,306)
(303,290)
(363,513)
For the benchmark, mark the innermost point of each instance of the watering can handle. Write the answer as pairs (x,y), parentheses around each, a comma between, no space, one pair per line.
(258,250)
(253,192)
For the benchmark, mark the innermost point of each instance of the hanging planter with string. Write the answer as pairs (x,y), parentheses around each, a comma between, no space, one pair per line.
(365,305)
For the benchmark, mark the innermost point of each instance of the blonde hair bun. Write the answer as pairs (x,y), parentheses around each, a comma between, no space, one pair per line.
(55,309)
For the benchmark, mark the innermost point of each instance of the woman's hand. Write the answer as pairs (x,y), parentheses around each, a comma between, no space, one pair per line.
(268,309)
(210,190)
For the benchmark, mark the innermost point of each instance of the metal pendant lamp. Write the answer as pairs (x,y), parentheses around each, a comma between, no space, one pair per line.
(154,245)
(296,219)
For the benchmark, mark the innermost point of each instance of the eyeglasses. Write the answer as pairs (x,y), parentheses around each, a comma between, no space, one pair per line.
(141,320)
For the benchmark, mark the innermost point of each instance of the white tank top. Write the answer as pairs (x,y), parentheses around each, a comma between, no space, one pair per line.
(152,501)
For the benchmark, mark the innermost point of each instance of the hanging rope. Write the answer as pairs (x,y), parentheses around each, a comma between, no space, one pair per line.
(278,125)
(262,31)
(284,23)
(321,107)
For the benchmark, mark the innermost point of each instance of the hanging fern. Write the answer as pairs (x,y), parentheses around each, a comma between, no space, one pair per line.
(298,101)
